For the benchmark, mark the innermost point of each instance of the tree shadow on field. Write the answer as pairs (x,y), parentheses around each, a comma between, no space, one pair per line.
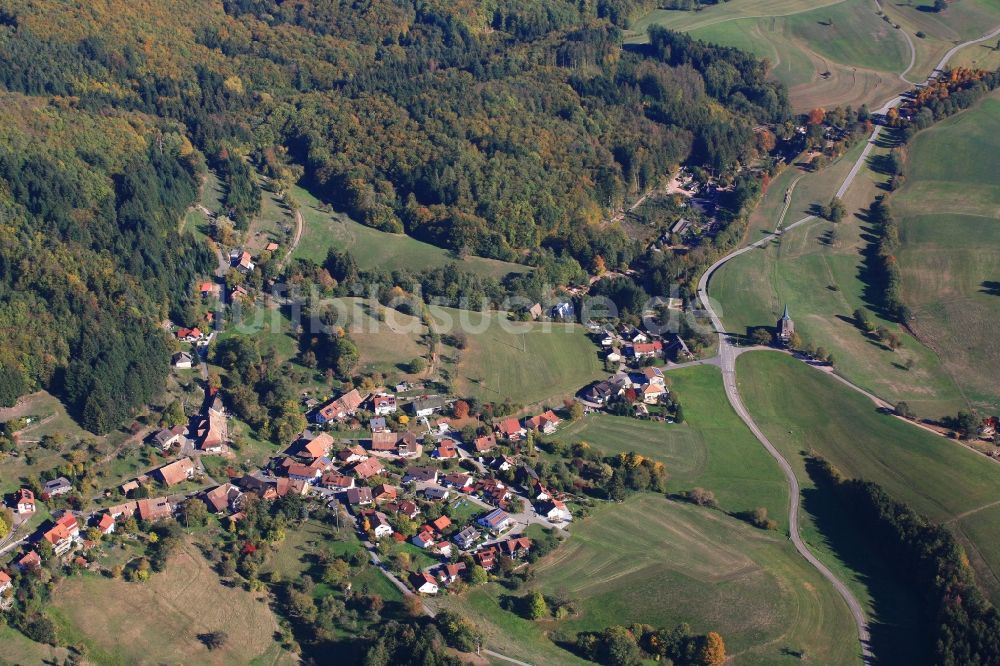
(896,617)
(991,287)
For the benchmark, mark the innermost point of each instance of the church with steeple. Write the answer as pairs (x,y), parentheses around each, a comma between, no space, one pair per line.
(786,327)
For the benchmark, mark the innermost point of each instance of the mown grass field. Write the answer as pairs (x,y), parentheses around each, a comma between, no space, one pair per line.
(523,362)
(827,53)
(856,58)
(949,214)
(801,409)
(712,449)
(676,563)
(963,20)
(158,621)
(834,55)
(722,12)
(820,277)
(376,249)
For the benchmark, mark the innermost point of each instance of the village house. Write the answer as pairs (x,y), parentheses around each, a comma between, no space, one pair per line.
(484,444)
(367,468)
(535,311)
(63,534)
(384,493)
(495,521)
(383,404)
(510,429)
(378,523)
(154,509)
(213,431)
(599,393)
(189,334)
(377,424)
(336,482)
(427,406)
(421,475)
(555,511)
(494,491)
(384,442)
(127,509)
(653,375)
(544,423)
(182,360)
(244,263)
(436,493)
(168,437)
(516,548)
(359,496)
(106,525)
(56,487)
(466,538)
(31,561)
(352,454)
(408,508)
(449,573)
(407,446)
(644,349)
(651,393)
(288,486)
(5,583)
(423,583)
(486,558)
(221,498)
(345,405)
(423,539)
(317,447)
(24,501)
(988,428)
(457,479)
(446,449)
(176,472)
(502,463)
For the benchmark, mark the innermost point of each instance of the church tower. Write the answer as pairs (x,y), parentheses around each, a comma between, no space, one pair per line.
(786,327)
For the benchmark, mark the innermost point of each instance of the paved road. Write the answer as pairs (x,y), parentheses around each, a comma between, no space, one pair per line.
(727,361)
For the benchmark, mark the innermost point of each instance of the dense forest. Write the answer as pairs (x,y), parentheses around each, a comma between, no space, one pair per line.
(91,258)
(507,129)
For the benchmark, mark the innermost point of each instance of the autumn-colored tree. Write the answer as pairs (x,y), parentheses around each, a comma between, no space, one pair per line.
(460,409)
(765,182)
(713,653)
(414,606)
(817,115)
(766,141)
(600,267)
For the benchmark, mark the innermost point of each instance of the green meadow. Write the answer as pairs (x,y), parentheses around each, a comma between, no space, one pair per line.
(949,214)
(674,563)
(802,410)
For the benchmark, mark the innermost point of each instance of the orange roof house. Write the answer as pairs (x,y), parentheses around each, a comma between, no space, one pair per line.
(177,471)
(106,524)
(511,428)
(318,447)
(343,406)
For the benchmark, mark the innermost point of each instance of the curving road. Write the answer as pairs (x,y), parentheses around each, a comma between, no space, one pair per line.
(727,361)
